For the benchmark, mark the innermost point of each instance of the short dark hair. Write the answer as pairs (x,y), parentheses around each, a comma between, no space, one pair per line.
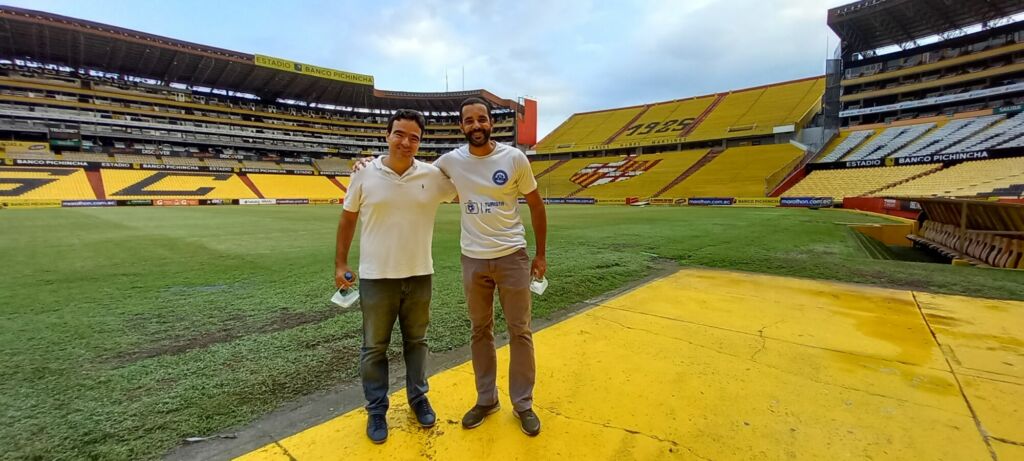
(408,114)
(474,100)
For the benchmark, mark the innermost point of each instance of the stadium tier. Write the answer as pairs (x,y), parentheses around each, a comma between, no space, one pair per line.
(44,183)
(967,179)
(559,182)
(750,171)
(854,182)
(743,113)
(142,184)
(85,157)
(296,186)
(540,167)
(928,138)
(189,105)
(638,176)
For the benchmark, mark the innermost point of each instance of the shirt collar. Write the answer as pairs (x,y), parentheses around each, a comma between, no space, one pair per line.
(379,164)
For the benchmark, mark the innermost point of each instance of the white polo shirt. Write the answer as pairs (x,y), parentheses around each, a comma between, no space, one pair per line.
(489,189)
(397,217)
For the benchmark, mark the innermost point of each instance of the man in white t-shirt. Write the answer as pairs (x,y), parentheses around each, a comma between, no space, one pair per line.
(395,198)
(490,177)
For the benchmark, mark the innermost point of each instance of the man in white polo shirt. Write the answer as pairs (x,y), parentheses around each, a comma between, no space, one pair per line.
(395,198)
(490,177)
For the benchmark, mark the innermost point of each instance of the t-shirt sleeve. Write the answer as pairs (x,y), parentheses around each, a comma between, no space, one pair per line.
(447,189)
(354,197)
(527,183)
(442,163)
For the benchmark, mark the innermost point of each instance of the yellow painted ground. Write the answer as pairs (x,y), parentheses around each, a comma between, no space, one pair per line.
(720,365)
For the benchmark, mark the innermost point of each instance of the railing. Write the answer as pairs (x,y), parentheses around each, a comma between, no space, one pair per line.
(776,178)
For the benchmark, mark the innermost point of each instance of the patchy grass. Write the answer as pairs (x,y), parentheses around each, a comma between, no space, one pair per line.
(128,329)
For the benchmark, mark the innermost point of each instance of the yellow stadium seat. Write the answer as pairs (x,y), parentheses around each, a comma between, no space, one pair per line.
(588,130)
(142,184)
(966,179)
(558,183)
(852,182)
(295,186)
(741,113)
(663,123)
(85,157)
(333,164)
(664,168)
(757,111)
(44,183)
(739,172)
(538,166)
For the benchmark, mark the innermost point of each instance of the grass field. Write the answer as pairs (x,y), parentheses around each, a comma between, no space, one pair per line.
(127,329)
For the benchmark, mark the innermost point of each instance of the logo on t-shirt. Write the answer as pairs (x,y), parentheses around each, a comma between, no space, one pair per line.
(500,177)
(474,207)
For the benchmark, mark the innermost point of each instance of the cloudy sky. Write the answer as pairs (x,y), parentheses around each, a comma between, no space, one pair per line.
(569,55)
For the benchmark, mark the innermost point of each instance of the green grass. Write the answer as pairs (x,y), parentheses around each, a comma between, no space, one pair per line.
(128,329)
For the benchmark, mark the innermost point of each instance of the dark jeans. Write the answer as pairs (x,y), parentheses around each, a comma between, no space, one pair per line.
(383,301)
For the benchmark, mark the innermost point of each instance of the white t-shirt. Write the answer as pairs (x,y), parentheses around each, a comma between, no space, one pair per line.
(397,216)
(489,188)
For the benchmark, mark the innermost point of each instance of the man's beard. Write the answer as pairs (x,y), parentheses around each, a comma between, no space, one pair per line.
(486,138)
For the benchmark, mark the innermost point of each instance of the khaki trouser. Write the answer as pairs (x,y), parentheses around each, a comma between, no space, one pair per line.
(511,275)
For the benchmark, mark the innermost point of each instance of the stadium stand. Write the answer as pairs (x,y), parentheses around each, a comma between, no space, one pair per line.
(261,164)
(184,161)
(297,167)
(32,155)
(1001,135)
(85,157)
(966,179)
(956,135)
(586,131)
(847,142)
(44,183)
(740,172)
(222,162)
(664,167)
(333,164)
(758,111)
(234,110)
(941,139)
(751,112)
(662,122)
(889,141)
(854,182)
(131,158)
(540,166)
(141,184)
(295,186)
(559,183)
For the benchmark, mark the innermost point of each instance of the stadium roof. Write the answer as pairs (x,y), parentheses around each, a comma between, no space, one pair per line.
(872,24)
(53,39)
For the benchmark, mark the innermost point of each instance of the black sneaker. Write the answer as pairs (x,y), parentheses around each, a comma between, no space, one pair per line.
(424,414)
(475,416)
(377,428)
(529,421)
